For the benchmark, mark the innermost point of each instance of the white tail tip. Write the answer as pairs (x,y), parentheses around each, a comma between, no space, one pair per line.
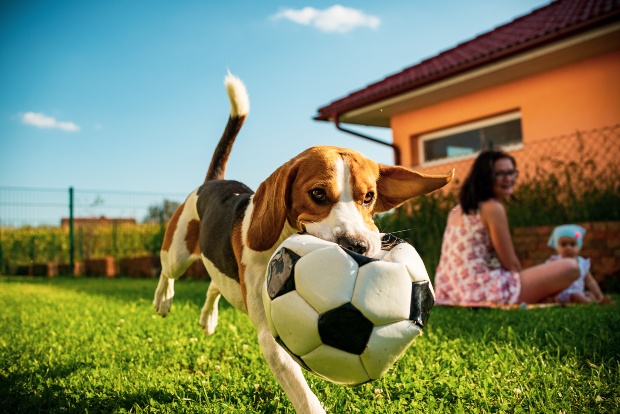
(238,95)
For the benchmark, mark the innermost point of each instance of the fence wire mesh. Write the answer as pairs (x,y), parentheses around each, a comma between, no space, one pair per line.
(589,154)
(35,225)
(555,172)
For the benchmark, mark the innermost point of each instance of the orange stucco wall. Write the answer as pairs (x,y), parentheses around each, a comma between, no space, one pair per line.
(581,96)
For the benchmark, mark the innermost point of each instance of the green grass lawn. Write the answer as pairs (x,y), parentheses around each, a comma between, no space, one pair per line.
(96,345)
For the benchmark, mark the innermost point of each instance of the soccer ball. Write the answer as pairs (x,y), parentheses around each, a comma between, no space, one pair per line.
(342,316)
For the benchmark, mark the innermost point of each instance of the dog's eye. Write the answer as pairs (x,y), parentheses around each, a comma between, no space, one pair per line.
(369,197)
(319,195)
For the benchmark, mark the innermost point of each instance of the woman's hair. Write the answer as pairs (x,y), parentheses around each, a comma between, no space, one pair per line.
(478,186)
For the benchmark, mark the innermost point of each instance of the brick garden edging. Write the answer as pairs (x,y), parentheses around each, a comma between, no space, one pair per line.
(601,245)
(139,267)
(145,267)
(100,267)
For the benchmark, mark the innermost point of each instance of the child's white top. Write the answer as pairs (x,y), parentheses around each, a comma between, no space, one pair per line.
(578,285)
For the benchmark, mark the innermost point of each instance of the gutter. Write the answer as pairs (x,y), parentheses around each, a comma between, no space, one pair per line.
(395,148)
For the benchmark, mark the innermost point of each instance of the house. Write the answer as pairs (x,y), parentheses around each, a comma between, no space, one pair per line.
(546,84)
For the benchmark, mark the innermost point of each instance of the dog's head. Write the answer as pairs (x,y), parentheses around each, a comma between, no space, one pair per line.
(332,193)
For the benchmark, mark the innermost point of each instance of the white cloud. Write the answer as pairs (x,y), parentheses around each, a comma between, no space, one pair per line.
(334,19)
(40,120)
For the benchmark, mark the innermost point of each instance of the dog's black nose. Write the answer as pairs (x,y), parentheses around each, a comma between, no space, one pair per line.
(355,245)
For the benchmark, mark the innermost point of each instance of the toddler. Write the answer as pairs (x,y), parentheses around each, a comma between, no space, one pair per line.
(567,240)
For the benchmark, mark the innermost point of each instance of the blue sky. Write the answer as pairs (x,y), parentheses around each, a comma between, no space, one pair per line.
(128,95)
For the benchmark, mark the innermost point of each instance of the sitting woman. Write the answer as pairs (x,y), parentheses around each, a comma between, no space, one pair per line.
(478,263)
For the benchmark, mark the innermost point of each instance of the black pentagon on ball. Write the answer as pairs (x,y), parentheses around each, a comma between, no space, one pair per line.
(345,328)
(360,259)
(281,273)
(422,302)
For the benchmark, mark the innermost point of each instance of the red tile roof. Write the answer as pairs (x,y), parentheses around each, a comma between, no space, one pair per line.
(556,21)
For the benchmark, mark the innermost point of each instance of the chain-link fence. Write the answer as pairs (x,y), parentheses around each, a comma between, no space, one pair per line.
(68,227)
(570,178)
(592,155)
(574,178)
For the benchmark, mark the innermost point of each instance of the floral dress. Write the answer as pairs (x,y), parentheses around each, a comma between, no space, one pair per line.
(469,271)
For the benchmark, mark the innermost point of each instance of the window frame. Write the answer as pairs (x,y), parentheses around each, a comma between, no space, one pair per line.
(469,126)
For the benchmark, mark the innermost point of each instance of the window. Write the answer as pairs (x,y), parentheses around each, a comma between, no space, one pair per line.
(504,130)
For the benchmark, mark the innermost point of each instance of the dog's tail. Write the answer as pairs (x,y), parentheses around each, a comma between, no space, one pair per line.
(239,109)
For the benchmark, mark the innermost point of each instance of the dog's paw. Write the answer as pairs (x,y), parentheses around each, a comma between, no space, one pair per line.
(162,305)
(162,302)
(208,321)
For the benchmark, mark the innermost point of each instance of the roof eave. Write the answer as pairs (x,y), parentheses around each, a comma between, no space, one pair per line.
(607,29)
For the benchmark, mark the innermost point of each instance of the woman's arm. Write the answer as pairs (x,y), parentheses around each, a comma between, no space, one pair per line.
(494,218)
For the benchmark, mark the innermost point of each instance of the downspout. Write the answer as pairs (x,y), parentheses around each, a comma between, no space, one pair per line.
(396,150)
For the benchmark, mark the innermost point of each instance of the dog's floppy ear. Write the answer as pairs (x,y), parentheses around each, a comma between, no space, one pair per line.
(398,184)
(270,207)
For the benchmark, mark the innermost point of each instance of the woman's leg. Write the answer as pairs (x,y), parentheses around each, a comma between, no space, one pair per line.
(546,279)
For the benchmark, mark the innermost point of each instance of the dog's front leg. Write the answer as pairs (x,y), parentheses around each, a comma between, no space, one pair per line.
(286,371)
(289,376)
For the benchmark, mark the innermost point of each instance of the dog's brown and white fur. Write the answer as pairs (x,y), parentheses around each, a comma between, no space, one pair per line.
(329,192)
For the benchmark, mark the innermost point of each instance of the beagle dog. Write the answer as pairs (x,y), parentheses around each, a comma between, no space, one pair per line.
(328,192)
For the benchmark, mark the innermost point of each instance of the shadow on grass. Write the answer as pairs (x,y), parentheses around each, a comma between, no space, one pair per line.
(21,395)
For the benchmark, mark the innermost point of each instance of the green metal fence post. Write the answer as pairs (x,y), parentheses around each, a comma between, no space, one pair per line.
(71,235)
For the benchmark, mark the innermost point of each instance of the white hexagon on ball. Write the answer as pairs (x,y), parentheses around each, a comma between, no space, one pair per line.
(326,277)
(337,366)
(383,292)
(291,314)
(386,345)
